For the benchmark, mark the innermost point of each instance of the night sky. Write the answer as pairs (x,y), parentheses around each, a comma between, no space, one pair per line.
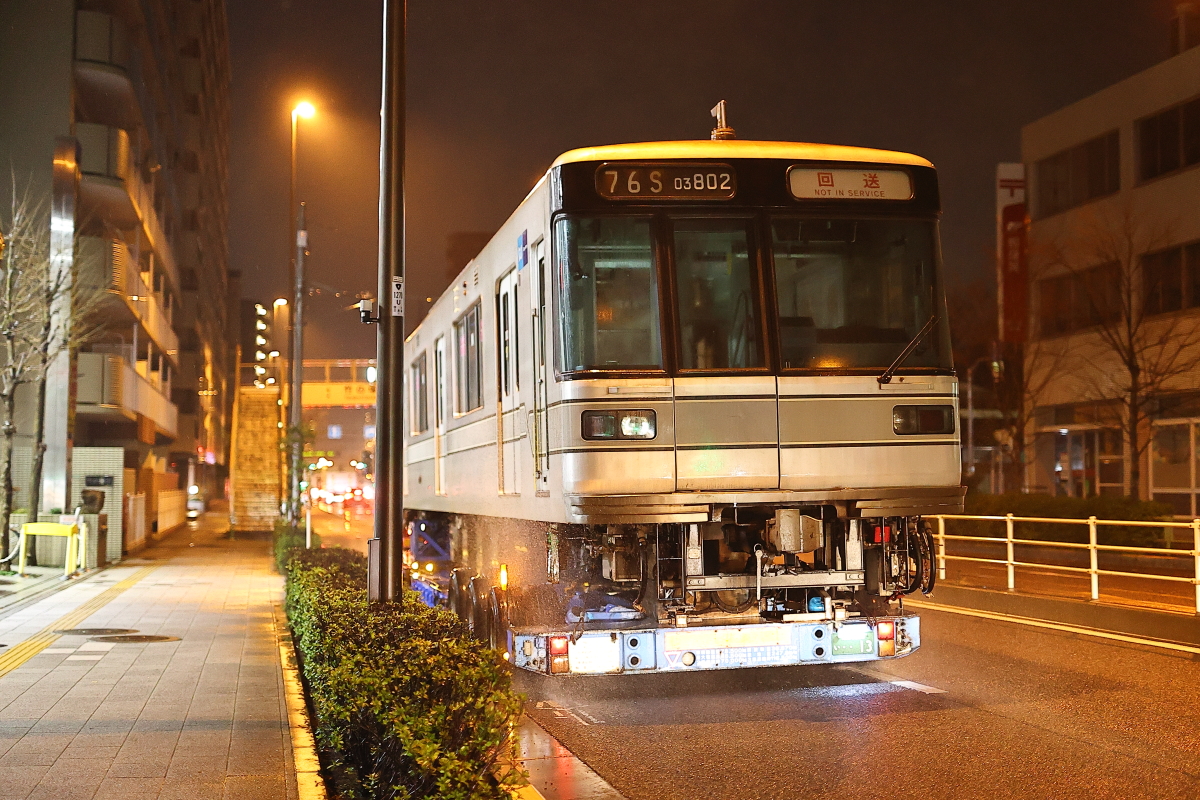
(497,90)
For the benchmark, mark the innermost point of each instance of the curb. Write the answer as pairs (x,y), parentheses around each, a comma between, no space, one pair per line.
(309,783)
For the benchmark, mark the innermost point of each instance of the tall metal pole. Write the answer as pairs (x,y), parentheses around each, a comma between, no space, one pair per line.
(293,314)
(296,408)
(385,551)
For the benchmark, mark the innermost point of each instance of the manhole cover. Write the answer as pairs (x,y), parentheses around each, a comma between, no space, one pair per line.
(135,638)
(94,631)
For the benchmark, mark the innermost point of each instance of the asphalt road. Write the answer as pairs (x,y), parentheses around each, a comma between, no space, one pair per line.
(999,710)
(340,530)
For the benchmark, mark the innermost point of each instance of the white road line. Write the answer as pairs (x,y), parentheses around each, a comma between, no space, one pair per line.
(1057,626)
(919,687)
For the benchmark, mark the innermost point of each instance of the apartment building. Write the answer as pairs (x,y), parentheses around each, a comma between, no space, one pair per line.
(118,110)
(1114,278)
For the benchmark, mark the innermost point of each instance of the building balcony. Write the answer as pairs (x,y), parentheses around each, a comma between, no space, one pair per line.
(130,300)
(108,387)
(112,190)
(104,90)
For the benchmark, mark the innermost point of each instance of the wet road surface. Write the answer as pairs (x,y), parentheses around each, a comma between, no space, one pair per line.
(986,710)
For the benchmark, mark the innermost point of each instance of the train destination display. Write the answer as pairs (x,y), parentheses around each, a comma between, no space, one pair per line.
(666,181)
(849,184)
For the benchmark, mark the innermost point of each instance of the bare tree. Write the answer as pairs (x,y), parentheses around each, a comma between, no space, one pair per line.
(1132,347)
(24,271)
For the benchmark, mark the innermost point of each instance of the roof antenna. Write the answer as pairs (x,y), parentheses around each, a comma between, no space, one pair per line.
(722,131)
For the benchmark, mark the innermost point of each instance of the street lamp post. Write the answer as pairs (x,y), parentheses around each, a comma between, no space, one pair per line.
(385,552)
(299,240)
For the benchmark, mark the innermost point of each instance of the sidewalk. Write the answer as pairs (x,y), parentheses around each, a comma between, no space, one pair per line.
(200,717)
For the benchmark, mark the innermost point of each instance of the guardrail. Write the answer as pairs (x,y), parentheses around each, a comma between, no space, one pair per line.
(1093,548)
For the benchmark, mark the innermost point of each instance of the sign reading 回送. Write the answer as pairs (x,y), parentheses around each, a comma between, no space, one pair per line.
(849,184)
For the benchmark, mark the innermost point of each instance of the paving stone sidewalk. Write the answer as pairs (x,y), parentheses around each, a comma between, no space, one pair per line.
(201,717)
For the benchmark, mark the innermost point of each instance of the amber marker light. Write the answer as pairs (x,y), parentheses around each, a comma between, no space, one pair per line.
(504,577)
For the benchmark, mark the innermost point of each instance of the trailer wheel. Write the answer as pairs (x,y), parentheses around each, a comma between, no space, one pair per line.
(498,620)
(478,622)
(457,597)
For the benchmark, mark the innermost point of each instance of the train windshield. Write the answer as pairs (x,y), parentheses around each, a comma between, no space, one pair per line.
(609,293)
(851,294)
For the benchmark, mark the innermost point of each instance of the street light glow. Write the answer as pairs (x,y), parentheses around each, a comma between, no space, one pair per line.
(279,301)
(305,110)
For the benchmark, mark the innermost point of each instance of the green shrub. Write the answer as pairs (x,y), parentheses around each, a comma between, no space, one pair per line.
(412,705)
(1048,506)
(287,539)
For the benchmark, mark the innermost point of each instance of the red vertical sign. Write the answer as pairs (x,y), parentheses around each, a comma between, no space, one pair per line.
(1014,268)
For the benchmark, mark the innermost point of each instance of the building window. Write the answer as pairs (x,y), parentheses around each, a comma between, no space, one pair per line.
(1169,140)
(1079,300)
(334,432)
(1173,474)
(468,362)
(419,383)
(1073,177)
(1171,279)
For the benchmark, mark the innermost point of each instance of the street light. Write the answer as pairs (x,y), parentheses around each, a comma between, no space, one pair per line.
(299,240)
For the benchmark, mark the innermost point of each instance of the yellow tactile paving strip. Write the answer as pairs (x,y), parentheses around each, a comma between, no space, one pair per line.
(309,783)
(18,654)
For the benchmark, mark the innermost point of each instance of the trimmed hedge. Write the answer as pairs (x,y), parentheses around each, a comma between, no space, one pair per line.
(287,539)
(412,706)
(1043,505)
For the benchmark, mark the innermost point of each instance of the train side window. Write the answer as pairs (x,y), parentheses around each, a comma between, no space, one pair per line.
(419,385)
(468,366)
(439,378)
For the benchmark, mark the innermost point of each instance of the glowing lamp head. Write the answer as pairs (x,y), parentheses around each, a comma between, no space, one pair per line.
(504,577)
(305,110)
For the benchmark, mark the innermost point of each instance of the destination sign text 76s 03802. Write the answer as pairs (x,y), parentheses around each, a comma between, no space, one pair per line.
(666,181)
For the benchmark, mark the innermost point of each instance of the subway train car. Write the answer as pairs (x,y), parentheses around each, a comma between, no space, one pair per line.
(686,410)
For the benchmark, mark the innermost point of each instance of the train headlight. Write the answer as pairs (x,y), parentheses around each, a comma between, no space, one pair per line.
(603,425)
(638,425)
(908,420)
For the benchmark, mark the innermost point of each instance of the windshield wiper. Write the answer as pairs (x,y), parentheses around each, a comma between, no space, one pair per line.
(886,377)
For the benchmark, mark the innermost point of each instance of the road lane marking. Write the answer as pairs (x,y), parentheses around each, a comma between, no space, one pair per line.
(919,687)
(1057,626)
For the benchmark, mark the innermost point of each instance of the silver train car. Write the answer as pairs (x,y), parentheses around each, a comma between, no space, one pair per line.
(686,411)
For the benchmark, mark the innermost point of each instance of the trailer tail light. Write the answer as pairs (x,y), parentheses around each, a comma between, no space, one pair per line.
(885,632)
(560,662)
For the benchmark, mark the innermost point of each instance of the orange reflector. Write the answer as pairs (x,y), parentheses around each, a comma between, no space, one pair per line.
(887,647)
(885,629)
(558,645)
(559,665)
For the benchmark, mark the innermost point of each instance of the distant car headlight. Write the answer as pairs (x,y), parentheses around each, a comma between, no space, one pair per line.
(603,425)
(908,420)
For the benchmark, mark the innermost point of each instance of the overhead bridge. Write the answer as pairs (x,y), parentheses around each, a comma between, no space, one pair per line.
(338,383)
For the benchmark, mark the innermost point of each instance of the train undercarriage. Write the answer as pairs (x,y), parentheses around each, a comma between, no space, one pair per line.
(758,586)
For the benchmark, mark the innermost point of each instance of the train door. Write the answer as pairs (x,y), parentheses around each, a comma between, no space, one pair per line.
(541,421)
(726,409)
(508,381)
(441,391)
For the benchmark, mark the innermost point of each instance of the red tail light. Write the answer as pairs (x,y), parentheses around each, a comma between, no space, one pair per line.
(558,645)
(885,630)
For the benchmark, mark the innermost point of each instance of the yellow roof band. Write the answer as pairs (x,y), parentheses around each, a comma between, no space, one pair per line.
(738,148)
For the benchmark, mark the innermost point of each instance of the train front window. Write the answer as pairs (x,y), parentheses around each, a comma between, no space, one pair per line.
(718,322)
(853,293)
(608,293)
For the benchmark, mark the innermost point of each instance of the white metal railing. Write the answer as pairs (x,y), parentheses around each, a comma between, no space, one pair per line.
(1093,548)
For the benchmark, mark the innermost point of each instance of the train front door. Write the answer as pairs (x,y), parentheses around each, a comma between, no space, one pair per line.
(726,407)
(508,424)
